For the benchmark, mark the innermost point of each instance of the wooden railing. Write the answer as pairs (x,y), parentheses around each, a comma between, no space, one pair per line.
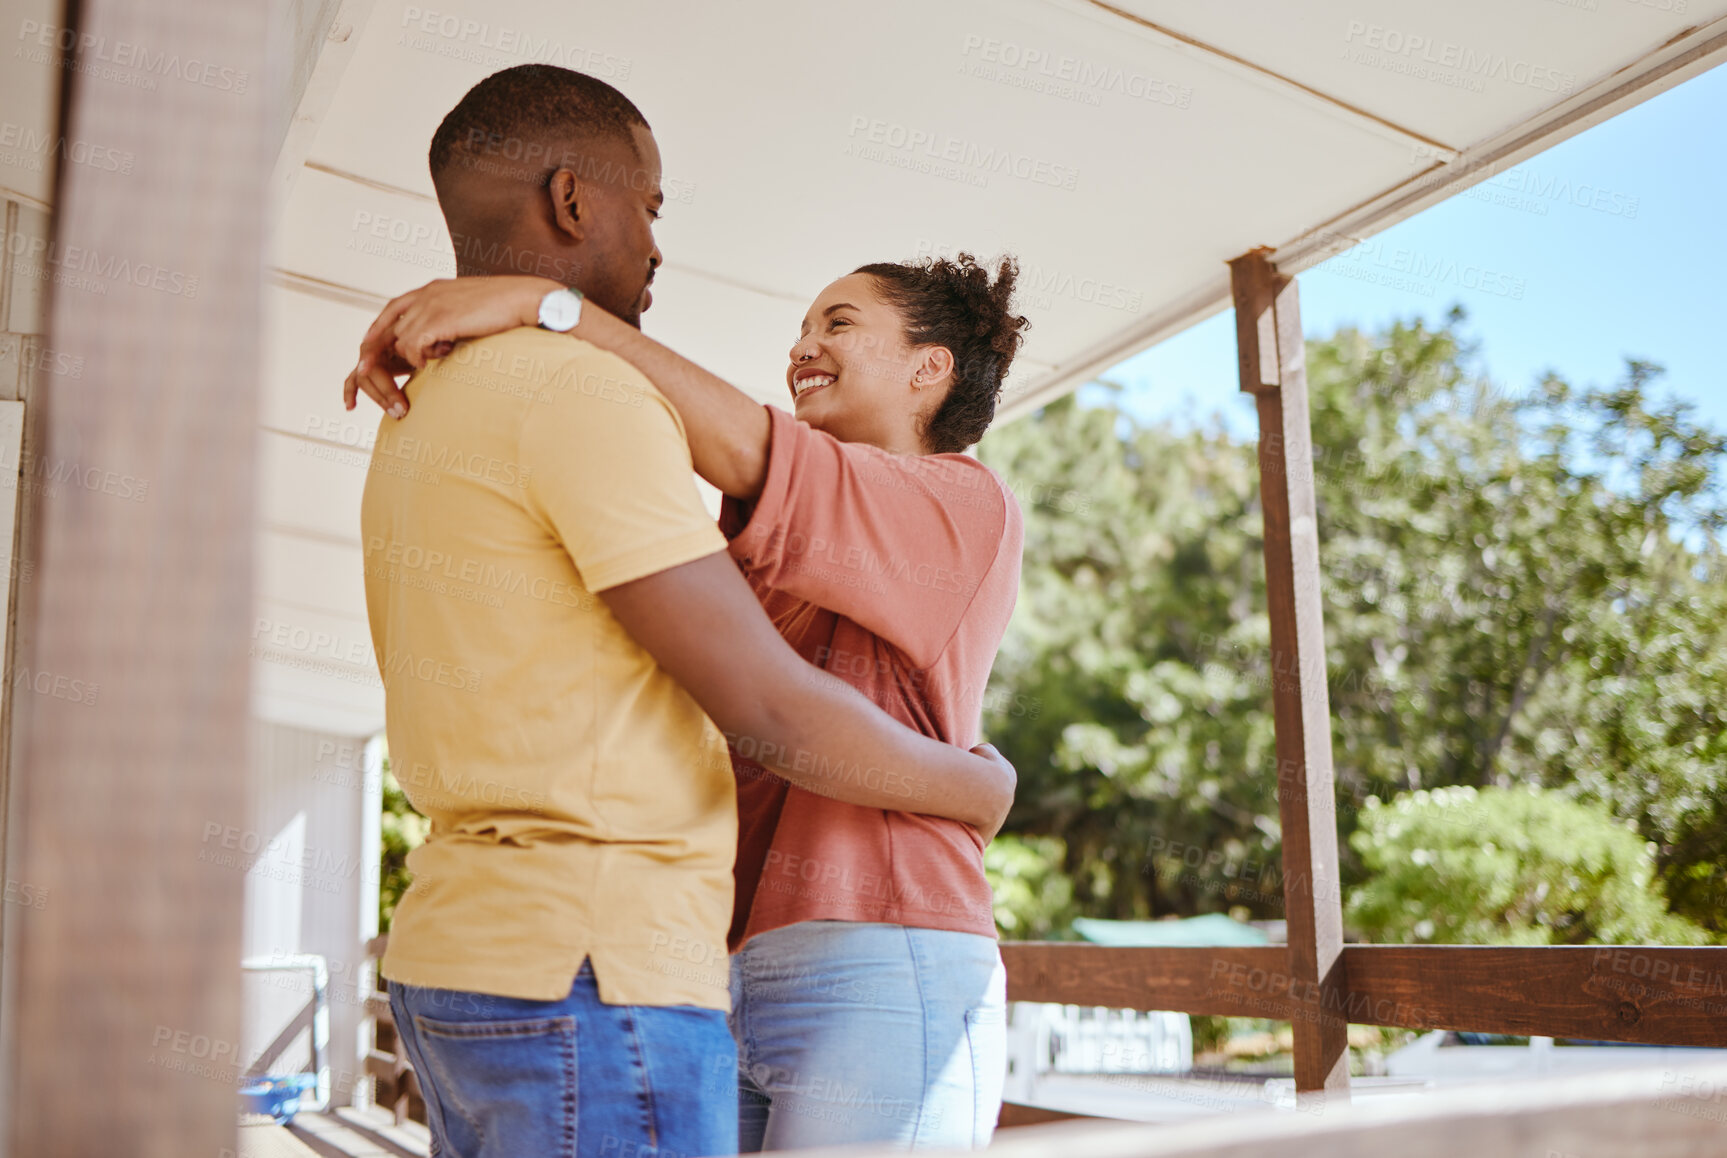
(1650,994)
(396,1087)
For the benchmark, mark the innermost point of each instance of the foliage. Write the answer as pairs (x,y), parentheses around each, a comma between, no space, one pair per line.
(1517,590)
(403,830)
(1514,866)
(1034,901)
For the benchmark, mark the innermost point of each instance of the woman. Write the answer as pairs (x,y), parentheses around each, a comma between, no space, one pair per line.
(869,998)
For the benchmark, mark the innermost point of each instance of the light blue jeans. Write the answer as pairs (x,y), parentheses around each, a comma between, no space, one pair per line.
(853,1032)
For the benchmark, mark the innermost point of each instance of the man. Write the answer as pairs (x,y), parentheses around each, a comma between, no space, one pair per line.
(554,611)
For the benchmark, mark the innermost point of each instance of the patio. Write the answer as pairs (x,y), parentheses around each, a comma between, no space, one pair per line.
(223,618)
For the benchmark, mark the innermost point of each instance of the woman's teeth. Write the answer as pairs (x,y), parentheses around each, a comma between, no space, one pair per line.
(813,382)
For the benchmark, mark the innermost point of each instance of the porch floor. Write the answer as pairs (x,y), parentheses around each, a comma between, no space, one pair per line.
(346,1132)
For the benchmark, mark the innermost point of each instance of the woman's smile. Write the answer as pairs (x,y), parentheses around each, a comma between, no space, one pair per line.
(808,380)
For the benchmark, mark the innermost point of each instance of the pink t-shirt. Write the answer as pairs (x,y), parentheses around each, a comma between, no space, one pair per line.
(897,574)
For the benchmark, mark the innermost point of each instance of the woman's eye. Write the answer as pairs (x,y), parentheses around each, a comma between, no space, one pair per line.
(839,322)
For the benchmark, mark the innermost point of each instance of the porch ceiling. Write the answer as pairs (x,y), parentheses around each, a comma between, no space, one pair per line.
(1123,151)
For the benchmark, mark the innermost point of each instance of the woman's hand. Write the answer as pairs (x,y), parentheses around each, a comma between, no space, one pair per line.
(426,323)
(1009,781)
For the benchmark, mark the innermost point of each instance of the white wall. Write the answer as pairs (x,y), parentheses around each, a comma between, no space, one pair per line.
(309,853)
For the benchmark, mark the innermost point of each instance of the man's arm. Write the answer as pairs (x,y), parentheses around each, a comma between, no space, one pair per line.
(612,483)
(727,429)
(830,740)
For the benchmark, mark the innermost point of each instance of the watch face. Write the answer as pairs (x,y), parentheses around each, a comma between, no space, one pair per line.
(560,310)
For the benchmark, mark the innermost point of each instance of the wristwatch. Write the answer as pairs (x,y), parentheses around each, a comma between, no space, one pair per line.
(560,310)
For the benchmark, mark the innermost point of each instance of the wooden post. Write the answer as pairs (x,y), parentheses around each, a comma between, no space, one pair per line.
(1274,370)
(129,752)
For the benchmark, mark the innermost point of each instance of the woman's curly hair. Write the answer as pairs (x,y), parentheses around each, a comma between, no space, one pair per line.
(955,303)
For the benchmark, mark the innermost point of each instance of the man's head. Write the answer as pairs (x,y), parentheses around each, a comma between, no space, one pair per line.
(541,170)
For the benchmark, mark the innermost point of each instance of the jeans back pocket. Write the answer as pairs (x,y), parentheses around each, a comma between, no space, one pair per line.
(506,1087)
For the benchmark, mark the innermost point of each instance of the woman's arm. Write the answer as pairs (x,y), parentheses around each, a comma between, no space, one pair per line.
(727,429)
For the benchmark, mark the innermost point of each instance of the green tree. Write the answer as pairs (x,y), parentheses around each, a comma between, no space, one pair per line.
(1518,590)
(1034,900)
(1511,866)
(402,831)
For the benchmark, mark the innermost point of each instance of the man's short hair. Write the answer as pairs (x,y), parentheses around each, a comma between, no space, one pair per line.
(512,115)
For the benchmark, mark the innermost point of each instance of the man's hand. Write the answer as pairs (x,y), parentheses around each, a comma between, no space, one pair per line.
(427,323)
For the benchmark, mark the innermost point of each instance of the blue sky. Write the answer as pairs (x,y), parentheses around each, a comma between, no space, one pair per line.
(1610,245)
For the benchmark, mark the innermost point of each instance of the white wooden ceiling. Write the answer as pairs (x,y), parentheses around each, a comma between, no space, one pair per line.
(1123,152)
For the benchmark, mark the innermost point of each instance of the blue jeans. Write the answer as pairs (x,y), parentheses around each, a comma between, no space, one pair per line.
(507,1078)
(855,1032)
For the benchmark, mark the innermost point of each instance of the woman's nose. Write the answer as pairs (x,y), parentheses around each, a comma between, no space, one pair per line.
(803,350)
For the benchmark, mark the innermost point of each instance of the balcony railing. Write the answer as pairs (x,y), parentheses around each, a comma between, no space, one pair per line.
(1649,994)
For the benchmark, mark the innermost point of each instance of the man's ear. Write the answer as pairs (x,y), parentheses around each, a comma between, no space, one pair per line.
(568,201)
(932,366)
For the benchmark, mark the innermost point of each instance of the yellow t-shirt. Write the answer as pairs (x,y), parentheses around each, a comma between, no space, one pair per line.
(582,805)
